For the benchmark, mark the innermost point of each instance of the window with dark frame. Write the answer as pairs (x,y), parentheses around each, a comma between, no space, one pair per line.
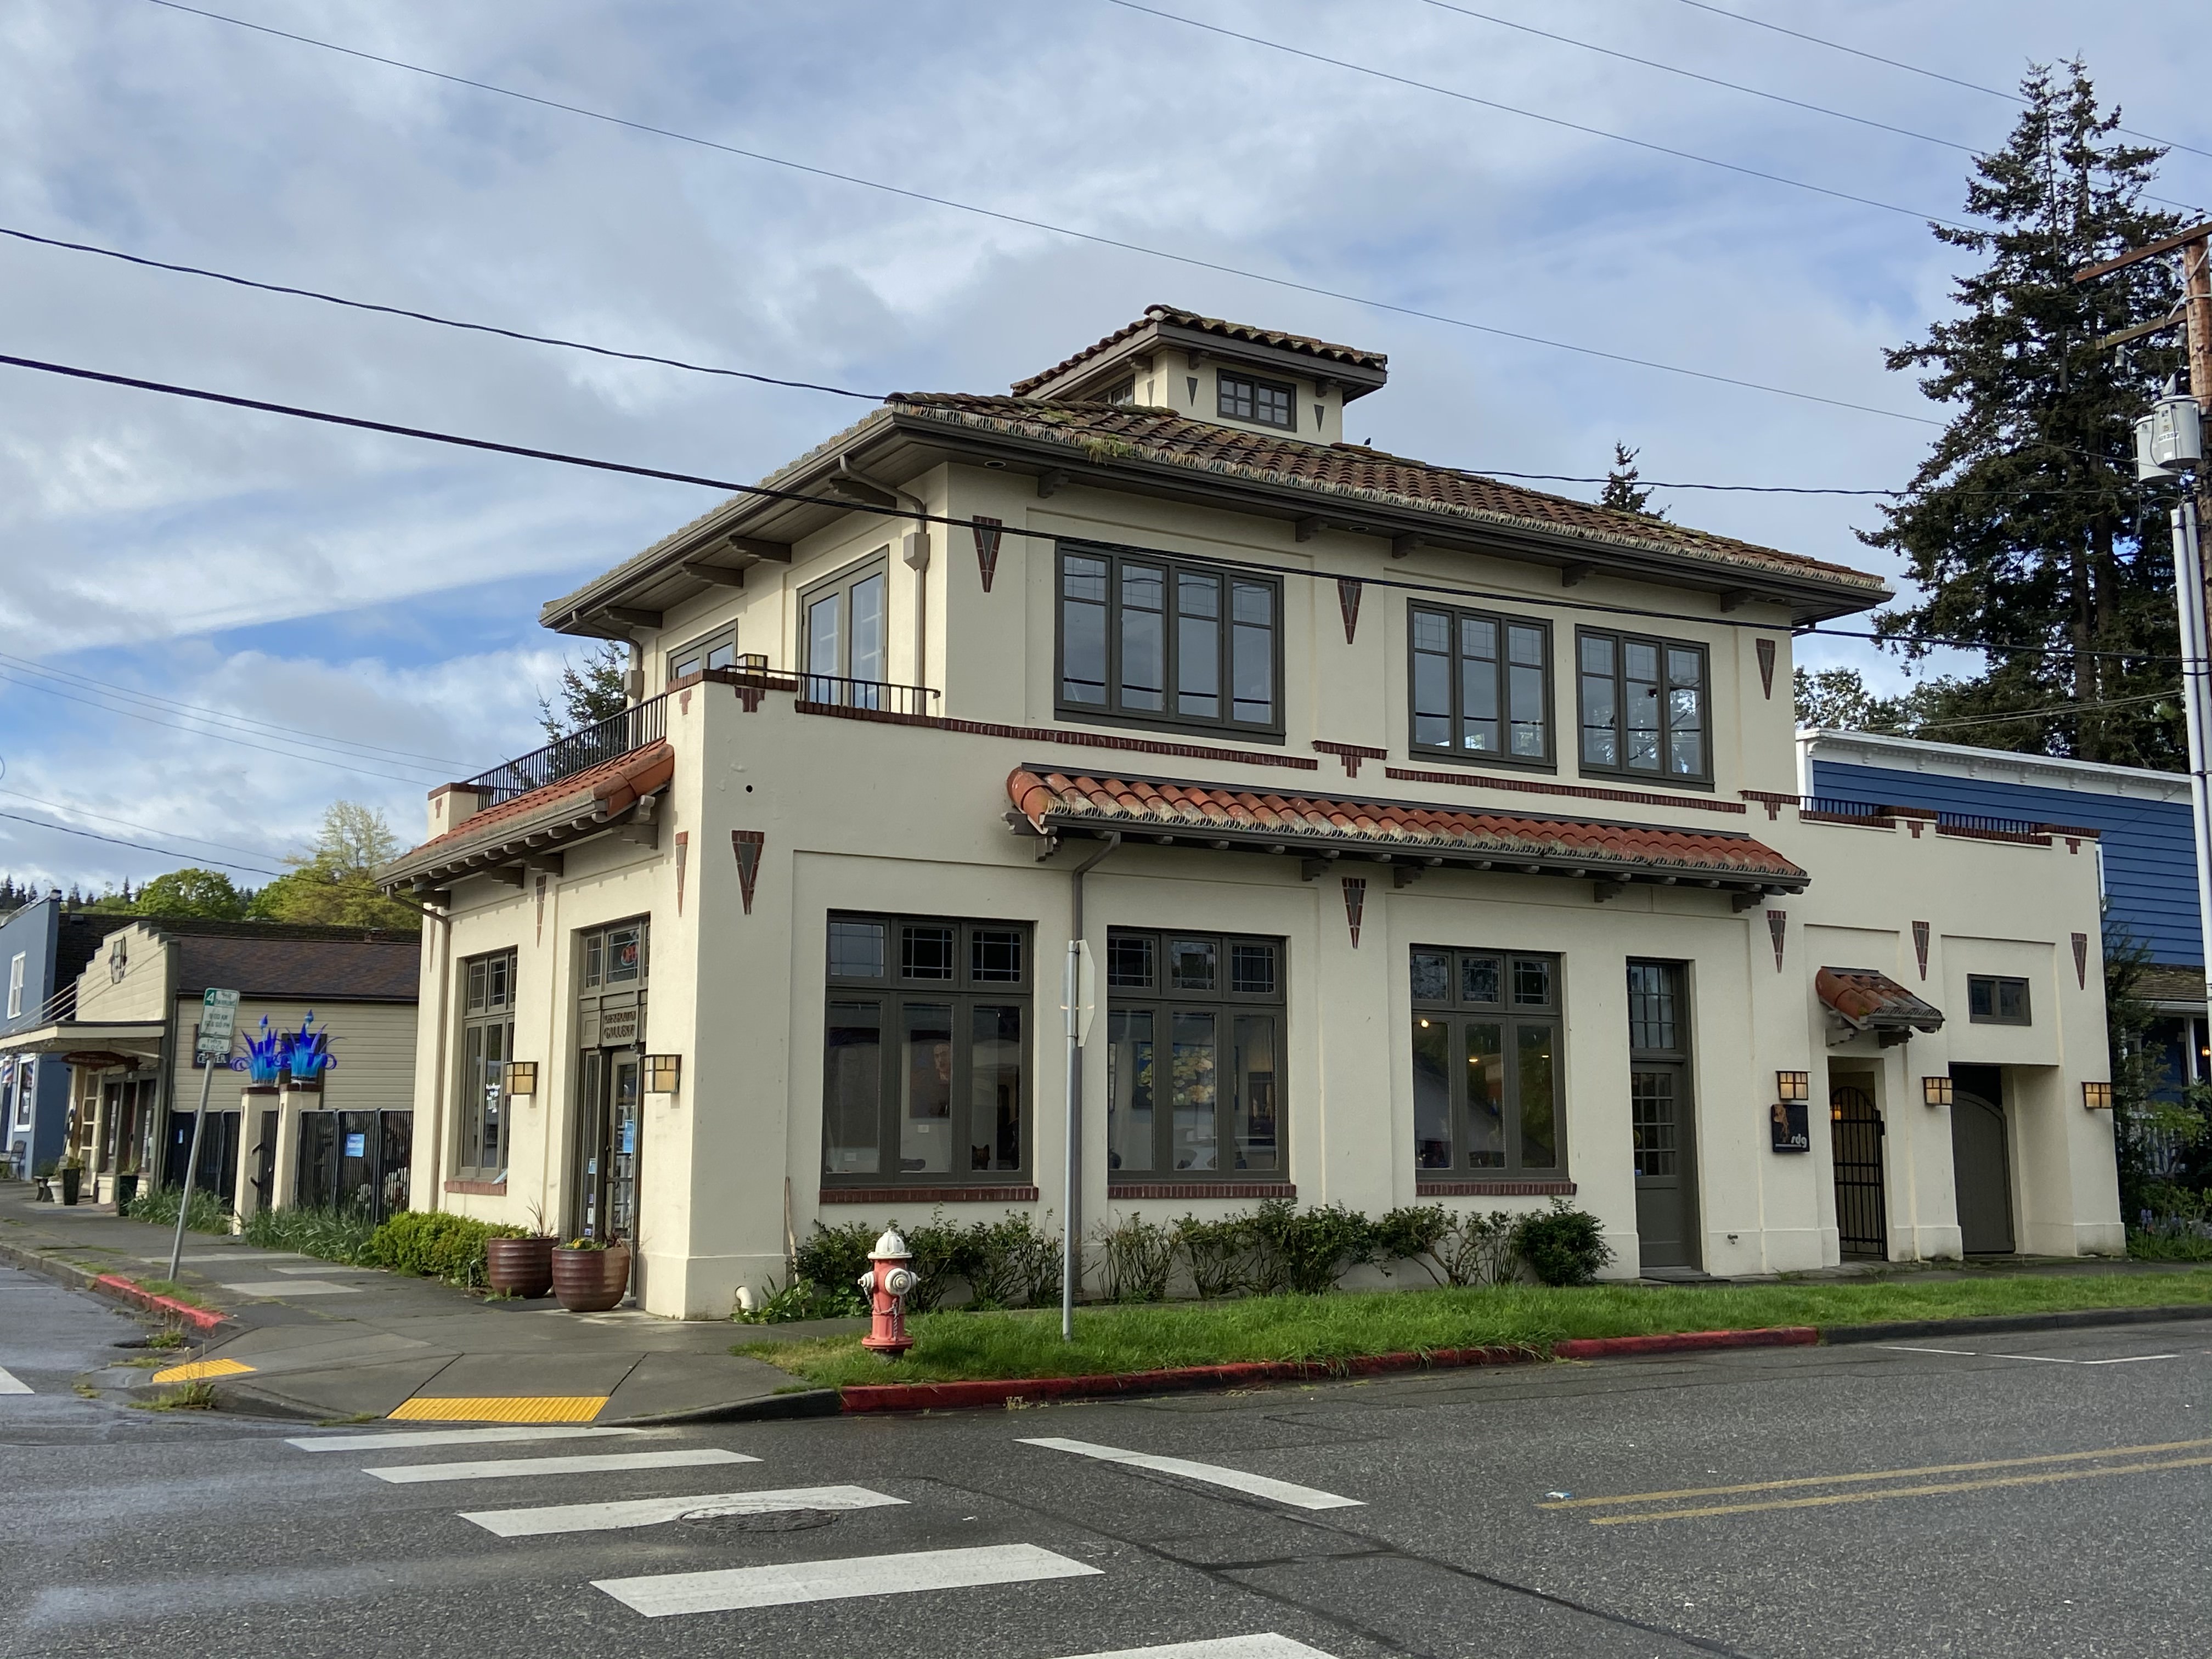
(926,1068)
(487,1044)
(1195,1055)
(1486,1047)
(1645,711)
(1997,999)
(1148,639)
(1263,403)
(717,650)
(1481,685)
(844,634)
(1123,391)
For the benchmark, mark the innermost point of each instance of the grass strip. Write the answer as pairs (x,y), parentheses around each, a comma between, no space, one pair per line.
(957,1346)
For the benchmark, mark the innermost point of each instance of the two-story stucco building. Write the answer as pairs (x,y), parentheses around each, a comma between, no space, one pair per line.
(1430,837)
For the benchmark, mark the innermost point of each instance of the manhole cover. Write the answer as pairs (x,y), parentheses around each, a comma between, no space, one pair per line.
(735,1520)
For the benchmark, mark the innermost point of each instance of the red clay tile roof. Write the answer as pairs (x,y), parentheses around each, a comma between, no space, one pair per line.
(1867,1000)
(1199,812)
(1215,326)
(1349,473)
(618,782)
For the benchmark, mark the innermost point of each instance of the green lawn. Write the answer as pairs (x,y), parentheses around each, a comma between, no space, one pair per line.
(1152,1337)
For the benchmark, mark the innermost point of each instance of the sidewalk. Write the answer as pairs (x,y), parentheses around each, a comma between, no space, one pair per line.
(315,1340)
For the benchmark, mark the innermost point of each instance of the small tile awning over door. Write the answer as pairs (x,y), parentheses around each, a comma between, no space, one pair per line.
(1863,1001)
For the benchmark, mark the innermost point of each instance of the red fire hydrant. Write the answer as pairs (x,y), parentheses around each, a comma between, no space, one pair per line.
(885,1286)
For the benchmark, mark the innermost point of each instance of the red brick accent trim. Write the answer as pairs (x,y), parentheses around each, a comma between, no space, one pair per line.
(1992,835)
(1494,1188)
(1482,781)
(1350,753)
(2070,830)
(1850,820)
(1050,734)
(928,1195)
(1201,1189)
(481,1188)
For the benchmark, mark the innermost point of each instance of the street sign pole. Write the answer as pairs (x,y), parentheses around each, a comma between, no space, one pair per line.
(218,1019)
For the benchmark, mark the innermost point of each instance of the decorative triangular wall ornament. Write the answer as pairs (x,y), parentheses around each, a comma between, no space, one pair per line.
(1766,649)
(747,844)
(1777,924)
(541,909)
(1920,945)
(986,546)
(2081,960)
(1355,901)
(683,857)
(1348,590)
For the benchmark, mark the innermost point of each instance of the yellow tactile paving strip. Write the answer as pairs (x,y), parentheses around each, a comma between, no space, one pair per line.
(503,1408)
(200,1369)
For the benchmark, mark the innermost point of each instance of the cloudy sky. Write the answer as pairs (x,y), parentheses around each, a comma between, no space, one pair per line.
(215,623)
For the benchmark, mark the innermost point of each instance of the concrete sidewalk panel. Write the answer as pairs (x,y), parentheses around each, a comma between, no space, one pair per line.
(665,1383)
(501,1376)
(375,1390)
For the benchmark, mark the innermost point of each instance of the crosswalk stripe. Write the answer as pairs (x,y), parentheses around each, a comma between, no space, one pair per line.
(590,1463)
(651,1511)
(1283,1492)
(661,1594)
(1267,1646)
(11,1383)
(347,1443)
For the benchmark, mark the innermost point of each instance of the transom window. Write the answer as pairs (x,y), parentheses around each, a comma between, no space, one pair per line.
(616,958)
(1486,1061)
(1264,403)
(1194,1045)
(844,634)
(1644,707)
(1997,999)
(924,1071)
(1157,641)
(487,1044)
(1481,685)
(717,650)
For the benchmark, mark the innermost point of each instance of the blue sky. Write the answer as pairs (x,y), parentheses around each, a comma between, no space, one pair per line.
(370,592)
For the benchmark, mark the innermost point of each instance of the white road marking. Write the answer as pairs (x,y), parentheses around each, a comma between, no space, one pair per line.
(336,1442)
(1283,1492)
(651,1511)
(661,1594)
(2031,1358)
(292,1287)
(590,1463)
(1265,1646)
(11,1383)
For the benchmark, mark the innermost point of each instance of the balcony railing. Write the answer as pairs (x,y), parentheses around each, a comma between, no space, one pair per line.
(594,744)
(841,693)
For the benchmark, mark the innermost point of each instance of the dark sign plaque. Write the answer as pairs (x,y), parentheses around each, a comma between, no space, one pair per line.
(1791,1134)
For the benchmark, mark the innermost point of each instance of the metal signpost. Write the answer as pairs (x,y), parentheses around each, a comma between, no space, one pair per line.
(218,1020)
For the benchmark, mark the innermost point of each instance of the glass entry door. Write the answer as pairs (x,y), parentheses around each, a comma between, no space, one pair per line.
(607,1145)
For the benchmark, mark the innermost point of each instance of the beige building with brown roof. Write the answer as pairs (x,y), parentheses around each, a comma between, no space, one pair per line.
(1430,839)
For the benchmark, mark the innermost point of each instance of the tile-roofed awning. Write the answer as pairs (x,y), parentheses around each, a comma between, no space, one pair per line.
(1863,1001)
(1226,817)
(537,824)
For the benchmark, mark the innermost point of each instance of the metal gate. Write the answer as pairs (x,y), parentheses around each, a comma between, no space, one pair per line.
(1855,1132)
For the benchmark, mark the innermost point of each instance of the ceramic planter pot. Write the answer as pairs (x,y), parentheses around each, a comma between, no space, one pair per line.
(520,1267)
(591,1281)
(126,1192)
(72,1184)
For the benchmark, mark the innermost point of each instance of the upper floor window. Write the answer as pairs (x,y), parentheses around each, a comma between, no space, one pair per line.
(1121,391)
(1994,1000)
(845,629)
(717,650)
(616,958)
(1264,403)
(1645,707)
(1481,685)
(1157,641)
(15,966)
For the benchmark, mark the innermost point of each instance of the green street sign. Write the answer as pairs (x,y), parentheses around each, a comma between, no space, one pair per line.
(218,1019)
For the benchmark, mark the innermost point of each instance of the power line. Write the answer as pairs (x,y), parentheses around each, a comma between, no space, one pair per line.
(143,847)
(2039,713)
(1533,115)
(1190,261)
(148,829)
(429,316)
(1914,69)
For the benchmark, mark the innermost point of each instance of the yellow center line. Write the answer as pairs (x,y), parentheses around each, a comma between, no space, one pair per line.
(1877,1474)
(1902,1492)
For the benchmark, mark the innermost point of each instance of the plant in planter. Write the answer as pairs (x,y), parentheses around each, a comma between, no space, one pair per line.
(590,1274)
(126,1189)
(521,1267)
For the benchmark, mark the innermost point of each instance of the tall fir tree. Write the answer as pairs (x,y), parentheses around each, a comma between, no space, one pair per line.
(1625,489)
(2025,523)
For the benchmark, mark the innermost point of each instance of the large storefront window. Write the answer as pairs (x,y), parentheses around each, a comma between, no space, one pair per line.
(487,1044)
(1486,1062)
(925,1065)
(1195,1034)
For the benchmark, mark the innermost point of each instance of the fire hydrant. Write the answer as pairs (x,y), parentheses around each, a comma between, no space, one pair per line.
(886,1285)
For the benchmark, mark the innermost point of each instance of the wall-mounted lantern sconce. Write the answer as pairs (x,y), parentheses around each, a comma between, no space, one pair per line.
(1793,1085)
(2097,1096)
(1936,1090)
(752,662)
(519,1076)
(662,1073)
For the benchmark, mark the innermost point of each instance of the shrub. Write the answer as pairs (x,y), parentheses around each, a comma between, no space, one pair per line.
(332,1235)
(2175,1224)
(802,1299)
(158,1205)
(1305,1252)
(833,1257)
(1139,1257)
(1413,1233)
(1011,1262)
(435,1243)
(1562,1245)
(1218,1253)
(942,1253)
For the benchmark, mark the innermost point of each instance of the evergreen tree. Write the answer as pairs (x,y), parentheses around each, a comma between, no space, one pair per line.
(2025,523)
(595,689)
(1622,490)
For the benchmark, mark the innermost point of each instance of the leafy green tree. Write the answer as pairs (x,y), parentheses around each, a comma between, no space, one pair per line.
(336,884)
(1623,490)
(595,689)
(191,892)
(2025,524)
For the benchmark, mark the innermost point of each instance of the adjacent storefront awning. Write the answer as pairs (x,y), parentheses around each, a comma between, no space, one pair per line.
(1409,835)
(86,1042)
(1862,1001)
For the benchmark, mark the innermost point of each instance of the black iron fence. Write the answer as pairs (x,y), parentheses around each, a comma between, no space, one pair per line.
(840,693)
(601,741)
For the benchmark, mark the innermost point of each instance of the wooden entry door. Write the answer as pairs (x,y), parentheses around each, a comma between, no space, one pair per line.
(1854,1134)
(1661,1121)
(1981,1166)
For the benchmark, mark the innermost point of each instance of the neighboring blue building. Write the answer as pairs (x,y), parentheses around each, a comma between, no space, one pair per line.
(43,949)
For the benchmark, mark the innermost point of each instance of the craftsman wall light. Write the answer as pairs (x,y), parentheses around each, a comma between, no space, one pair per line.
(662,1073)
(1793,1085)
(2097,1096)
(520,1076)
(1936,1090)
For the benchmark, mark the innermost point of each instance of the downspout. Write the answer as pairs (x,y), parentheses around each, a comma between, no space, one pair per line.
(1072,1222)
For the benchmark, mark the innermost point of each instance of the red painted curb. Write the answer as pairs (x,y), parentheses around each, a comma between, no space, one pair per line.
(1603,1347)
(200,1319)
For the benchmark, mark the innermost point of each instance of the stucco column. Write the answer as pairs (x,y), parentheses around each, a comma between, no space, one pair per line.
(252,1101)
(292,1099)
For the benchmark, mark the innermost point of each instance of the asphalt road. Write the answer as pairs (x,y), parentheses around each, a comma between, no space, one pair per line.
(2044,1495)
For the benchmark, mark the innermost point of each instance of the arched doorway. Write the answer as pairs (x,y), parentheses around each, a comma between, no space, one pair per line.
(1854,1134)
(1981,1162)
